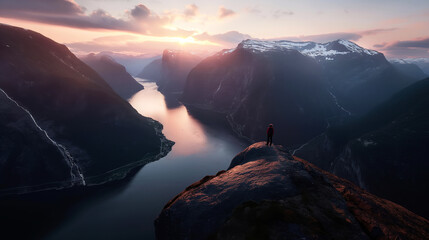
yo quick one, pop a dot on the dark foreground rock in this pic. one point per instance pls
(268, 194)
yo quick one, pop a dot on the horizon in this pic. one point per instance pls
(148, 27)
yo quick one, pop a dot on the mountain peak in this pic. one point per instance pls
(312, 49)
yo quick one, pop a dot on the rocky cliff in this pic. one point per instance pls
(268, 194)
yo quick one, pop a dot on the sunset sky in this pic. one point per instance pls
(395, 27)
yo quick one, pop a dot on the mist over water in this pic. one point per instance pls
(199, 150)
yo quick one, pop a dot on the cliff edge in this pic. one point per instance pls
(268, 194)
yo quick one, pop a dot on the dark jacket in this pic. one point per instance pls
(270, 131)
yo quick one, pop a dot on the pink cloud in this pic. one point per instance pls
(224, 12)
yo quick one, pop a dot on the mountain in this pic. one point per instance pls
(385, 151)
(114, 74)
(171, 72)
(133, 64)
(422, 63)
(28, 155)
(409, 69)
(152, 71)
(268, 194)
(99, 135)
(300, 87)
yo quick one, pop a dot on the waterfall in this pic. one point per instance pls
(75, 172)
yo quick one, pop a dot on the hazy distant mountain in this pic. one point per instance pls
(301, 87)
(171, 72)
(133, 64)
(385, 152)
(114, 74)
(413, 66)
(152, 71)
(268, 194)
(101, 136)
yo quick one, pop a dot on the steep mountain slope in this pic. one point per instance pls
(152, 71)
(301, 87)
(102, 133)
(133, 64)
(409, 69)
(28, 156)
(114, 74)
(422, 63)
(173, 69)
(268, 194)
(384, 151)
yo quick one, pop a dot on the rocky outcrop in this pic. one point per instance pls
(170, 72)
(384, 152)
(268, 194)
(114, 74)
(100, 134)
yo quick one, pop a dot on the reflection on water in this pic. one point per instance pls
(185, 131)
(199, 150)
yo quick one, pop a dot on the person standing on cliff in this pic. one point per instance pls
(270, 132)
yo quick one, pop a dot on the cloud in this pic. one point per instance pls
(419, 43)
(67, 13)
(324, 37)
(43, 6)
(282, 13)
(140, 12)
(224, 12)
(228, 38)
(404, 49)
(377, 31)
(190, 11)
(327, 37)
(136, 47)
(380, 45)
(253, 10)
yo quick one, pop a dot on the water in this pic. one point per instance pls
(200, 150)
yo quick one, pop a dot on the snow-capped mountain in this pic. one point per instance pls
(327, 51)
(300, 86)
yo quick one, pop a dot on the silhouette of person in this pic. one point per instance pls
(270, 132)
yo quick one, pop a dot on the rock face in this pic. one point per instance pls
(385, 152)
(28, 157)
(300, 87)
(114, 74)
(100, 135)
(171, 71)
(268, 194)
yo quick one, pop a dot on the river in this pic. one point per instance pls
(200, 149)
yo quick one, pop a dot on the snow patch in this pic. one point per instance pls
(312, 49)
